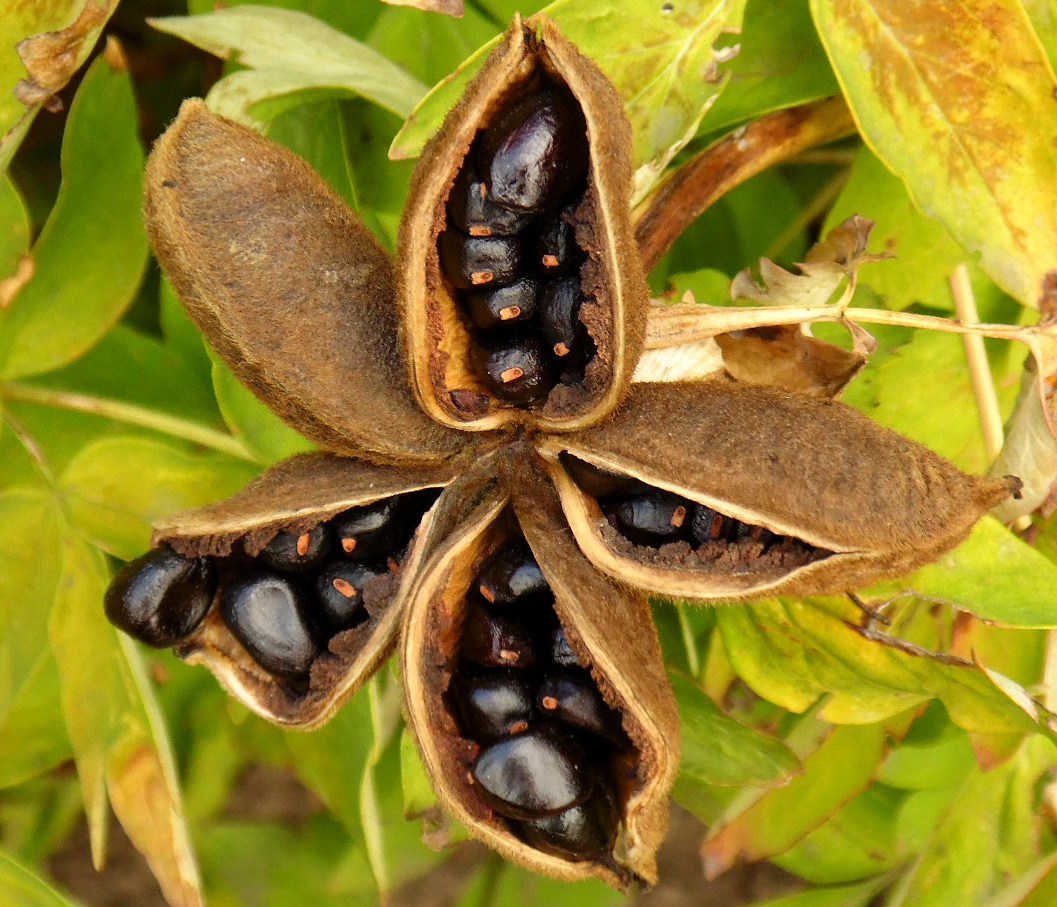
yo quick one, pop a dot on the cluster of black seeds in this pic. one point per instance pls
(653, 517)
(549, 746)
(510, 248)
(284, 603)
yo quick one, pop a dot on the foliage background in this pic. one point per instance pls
(870, 771)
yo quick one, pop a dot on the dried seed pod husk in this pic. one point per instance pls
(297, 495)
(610, 628)
(288, 286)
(863, 501)
(616, 297)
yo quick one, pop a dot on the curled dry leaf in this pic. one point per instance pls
(51, 58)
(500, 530)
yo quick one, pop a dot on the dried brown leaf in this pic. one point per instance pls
(51, 58)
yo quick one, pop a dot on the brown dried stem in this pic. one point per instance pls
(748, 150)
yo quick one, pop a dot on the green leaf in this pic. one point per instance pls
(94, 231)
(985, 837)
(664, 65)
(263, 433)
(992, 574)
(289, 51)
(719, 750)
(947, 131)
(32, 732)
(858, 895)
(925, 253)
(857, 842)
(21, 888)
(118, 737)
(430, 46)
(901, 394)
(1043, 15)
(30, 19)
(836, 772)
(781, 63)
(14, 230)
(115, 489)
(33, 735)
(794, 651)
(1036, 887)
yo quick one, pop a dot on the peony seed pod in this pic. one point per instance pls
(540, 133)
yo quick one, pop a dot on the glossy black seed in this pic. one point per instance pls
(653, 518)
(472, 210)
(514, 366)
(161, 597)
(535, 773)
(514, 303)
(535, 152)
(708, 525)
(511, 575)
(556, 248)
(378, 529)
(598, 482)
(559, 306)
(297, 551)
(561, 652)
(269, 615)
(339, 585)
(498, 640)
(584, 832)
(493, 704)
(571, 695)
(477, 261)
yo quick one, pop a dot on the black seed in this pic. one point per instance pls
(493, 704)
(561, 652)
(380, 528)
(556, 248)
(297, 551)
(161, 597)
(584, 832)
(653, 518)
(268, 614)
(339, 586)
(598, 482)
(560, 301)
(478, 261)
(472, 210)
(572, 696)
(514, 367)
(511, 575)
(515, 303)
(535, 773)
(492, 640)
(535, 152)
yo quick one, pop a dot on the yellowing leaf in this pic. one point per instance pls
(118, 737)
(958, 100)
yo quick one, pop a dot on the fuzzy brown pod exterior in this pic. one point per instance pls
(493, 495)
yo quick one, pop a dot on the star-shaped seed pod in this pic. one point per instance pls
(492, 489)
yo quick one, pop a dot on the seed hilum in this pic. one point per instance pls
(282, 604)
(510, 251)
(547, 739)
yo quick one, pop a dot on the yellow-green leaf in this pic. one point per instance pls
(90, 257)
(119, 740)
(958, 100)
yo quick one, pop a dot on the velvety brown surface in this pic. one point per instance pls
(288, 286)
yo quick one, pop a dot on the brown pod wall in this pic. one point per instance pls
(287, 285)
(299, 496)
(842, 500)
(606, 624)
(613, 311)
